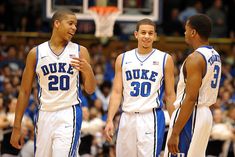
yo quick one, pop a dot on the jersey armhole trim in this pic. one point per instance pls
(164, 63)
(37, 57)
(78, 50)
(123, 55)
(205, 62)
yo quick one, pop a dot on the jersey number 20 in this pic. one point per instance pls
(58, 82)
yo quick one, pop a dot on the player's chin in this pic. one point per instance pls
(68, 38)
(145, 46)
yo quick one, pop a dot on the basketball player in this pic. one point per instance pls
(57, 64)
(197, 89)
(141, 77)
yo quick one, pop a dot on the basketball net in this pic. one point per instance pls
(104, 17)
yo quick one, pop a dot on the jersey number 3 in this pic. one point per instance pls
(214, 82)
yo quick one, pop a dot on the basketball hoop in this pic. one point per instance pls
(104, 17)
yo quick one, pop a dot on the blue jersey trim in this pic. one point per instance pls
(79, 91)
(123, 58)
(146, 57)
(163, 66)
(54, 52)
(206, 46)
(205, 61)
(39, 90)
(79, 49)
(37, 56)
(162, 89)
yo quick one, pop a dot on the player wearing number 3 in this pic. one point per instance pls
(197, 90)
(57, 65)
(142, 75)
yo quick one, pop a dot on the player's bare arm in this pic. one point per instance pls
(169, 85)
(194, 68)
(115, 98)
(83, 64)
(23, 98)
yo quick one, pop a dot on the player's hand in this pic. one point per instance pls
(17, 139)
(109, 131)
(173, 143)
(80, 64)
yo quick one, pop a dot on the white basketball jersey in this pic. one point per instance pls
(58, 82)
(143, 81)
(210, 83)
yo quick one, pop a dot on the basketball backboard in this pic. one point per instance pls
(131, 10)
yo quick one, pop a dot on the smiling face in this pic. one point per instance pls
(146, 36)
(66, 26)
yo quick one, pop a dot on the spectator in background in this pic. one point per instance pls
(173, 26)
(229, 145)
(92, 125)
(3, 17)
(27, 124)
(230, 17)
(218, 17)
(220, 133)
(191, 9)
(110, 66)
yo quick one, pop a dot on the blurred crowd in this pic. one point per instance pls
(26, 15)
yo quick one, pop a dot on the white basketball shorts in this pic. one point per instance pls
(194, 137)
(57, 133)
(140, 134)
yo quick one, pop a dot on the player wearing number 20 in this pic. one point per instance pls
(142, 75)
(197, 89)
(58, 64)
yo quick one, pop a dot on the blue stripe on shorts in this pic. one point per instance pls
(76, 132)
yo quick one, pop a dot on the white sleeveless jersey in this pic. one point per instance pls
(58, 82)
(210, 83)
(143, 81)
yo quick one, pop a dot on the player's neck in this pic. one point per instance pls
(57, 42)
(142, 50)
(199, 44)
(56, 45)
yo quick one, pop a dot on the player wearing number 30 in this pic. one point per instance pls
(142, 75)
(58, 65)
(197, 90)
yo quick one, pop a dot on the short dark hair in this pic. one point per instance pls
(60, 14)
(202, 24)
(145, 21)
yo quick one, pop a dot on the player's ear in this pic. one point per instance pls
(136, 34)
(194, 32)
(56, 23)
(155, 37)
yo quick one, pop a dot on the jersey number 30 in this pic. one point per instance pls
(58, 82)
(214, 82)
(142, 89)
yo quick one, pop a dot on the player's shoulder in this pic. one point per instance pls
(195, 59)
(129, 51)
(43, 44)
(161, 54)
(83, 48)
